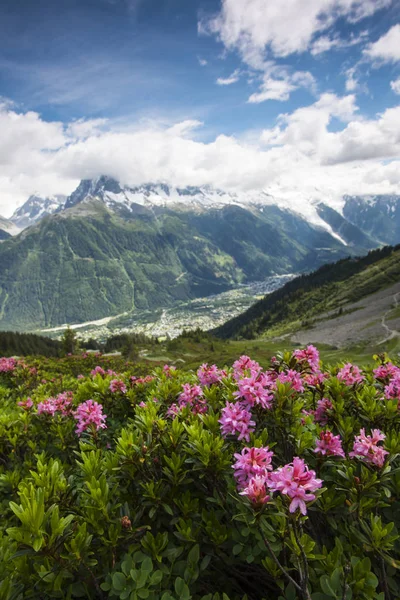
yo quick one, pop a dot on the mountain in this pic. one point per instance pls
(341, 303)
(35, 209)
(7, 229)
(378, 216)
(110, 250)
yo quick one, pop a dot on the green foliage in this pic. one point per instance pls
(148, 508)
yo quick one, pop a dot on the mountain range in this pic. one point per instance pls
(109, 249)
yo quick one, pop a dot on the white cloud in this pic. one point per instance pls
(264, 30)
(280, 89)
(395, 85)
(299, 158)
(325, 43)
(284, 26)
(387, 48)
(234, 78)
(202, 62)
(351, 80)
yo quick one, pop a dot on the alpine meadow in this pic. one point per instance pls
(200, 300)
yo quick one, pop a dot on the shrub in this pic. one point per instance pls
(246, 483)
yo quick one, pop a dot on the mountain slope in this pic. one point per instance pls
(378, 216)
(88, 262)
(308, 297)
(35, 209)
(7, 229)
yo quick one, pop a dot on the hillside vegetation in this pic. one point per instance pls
(329, 288)
(87, 263)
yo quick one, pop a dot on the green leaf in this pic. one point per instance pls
(119, 581)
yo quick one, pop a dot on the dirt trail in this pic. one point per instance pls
(390, 333)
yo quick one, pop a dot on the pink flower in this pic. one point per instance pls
(256, 389)
(236, 420)
(350, 374)
(309, 355)
(168, 370)
(244, 366)
(26, 404)
(386, 371)
(89, 413)
(256, 490)
(329, 444)
(251, 462)
(98, 371)
(366, 447)
(60, 404)
(192, 396)
(320, 415)
(139, 380)
(296, 481)
(117, 385)
(142, 404)
(173, 410)
(315, 379)
(209, 374)
(292, 377)
(392, 390)
(7, 365)
(81, 377)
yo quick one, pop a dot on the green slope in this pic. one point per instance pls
(330, 287)
(87, 263)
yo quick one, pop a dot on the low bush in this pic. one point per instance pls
(243, 483)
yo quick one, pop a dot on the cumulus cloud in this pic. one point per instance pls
(280, 89)
(284, 27)
(387, 48)
(262, 31)
(302, 157)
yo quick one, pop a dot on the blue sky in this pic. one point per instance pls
(235, 66)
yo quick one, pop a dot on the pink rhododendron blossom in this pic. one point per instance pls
(26, 404)
(296, 481)
(386, 371)
(320, 415)
(366, 447)
(256, 390)
(236, 420)
(245, 367)
(392, 390)
(168, 370)
(209, 374)
(60, 404)
(173, 410)
(251, 462)
(193, 397)
(315, 379)
(89, 414)
(292, 377)
(8, 365)
(350, 374)
(98, 371)
(139, 380)
(256, 490)
(329, 444)
(117, 385)
(309, 355)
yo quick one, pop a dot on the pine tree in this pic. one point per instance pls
(69, 341)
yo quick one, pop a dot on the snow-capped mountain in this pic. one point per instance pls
(125, 199)
(378, 216)
(36, 208)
